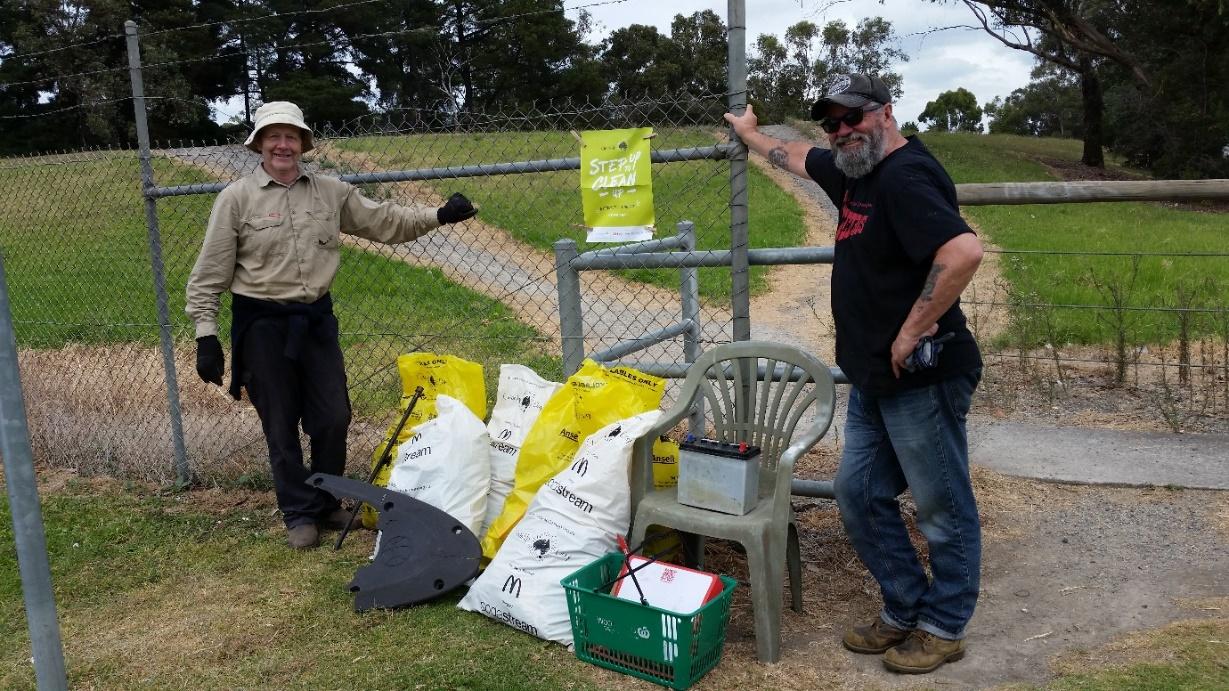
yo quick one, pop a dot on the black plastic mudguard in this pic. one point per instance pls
(424, 552)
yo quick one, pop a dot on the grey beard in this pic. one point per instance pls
(861, 161)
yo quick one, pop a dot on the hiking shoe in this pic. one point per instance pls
(337, 519)
(873, 638)
(922, 652)
(303, 536)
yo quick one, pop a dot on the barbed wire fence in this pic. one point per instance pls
(100, 242)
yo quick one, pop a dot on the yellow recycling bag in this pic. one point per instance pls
(665, 463)
(436, 374)
(590, 399)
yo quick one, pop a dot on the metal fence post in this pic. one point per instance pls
(155, 253)
(571, 321)
(28, 533)
(689, 293)
(740, 277)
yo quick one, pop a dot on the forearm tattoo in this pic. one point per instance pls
(928, 289)
(778, 157)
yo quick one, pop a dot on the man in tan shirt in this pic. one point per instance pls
(273, 241)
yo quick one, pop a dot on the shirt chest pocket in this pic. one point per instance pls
(323, 229)
(262, 236)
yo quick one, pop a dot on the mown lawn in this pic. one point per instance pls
(1098, 228)
(78, 267)
(154, 591)
(541, 208)
(174, 590)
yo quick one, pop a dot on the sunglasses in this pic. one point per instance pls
(851, 117)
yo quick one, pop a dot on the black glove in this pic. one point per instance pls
(926, 353)
(457, 208)
(209, 361)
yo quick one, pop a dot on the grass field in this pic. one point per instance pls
(152, 593)
(162, 591)
(1106, 228)
(544, 207)
(80, 230)
(78, 268)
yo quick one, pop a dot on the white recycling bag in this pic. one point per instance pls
(573, 520)
(518, 402)
(446, 463)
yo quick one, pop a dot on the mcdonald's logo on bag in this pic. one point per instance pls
(512, 586)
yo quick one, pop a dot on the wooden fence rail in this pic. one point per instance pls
(982, 194)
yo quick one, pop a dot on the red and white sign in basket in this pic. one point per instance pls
(673, 588)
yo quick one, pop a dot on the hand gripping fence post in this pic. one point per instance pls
(28, 533)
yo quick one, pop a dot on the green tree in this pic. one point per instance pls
(1163, 63)
(399, 47)
(64, 78)
(302, 55)
(517, 53)
(700, 45)
(953, 111)
(1049, 106)
(776, 85)
(638, 61)
(869, 48)
(785, 77)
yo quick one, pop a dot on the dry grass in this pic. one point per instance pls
(1075, 386)
(1153, 647)
(188, 624)
(107, 415)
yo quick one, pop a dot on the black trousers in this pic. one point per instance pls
(311, 391)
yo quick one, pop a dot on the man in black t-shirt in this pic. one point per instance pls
(903, 256)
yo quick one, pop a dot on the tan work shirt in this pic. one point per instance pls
(281, 242)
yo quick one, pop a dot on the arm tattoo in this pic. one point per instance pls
(928, 289)
(778, 157)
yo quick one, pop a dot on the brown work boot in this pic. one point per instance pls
(873, 638)
(338, 518)
(303, 536)
(922, 652)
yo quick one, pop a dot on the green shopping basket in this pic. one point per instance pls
(656, 645)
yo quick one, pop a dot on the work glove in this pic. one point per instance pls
(926, 353)
(457, 208)
(209, 361)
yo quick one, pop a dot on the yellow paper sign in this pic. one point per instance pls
(616, 184)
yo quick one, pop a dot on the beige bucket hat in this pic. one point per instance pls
(279, 113)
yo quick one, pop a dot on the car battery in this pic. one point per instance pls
(719, 476)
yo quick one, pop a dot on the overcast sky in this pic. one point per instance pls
(938, 61)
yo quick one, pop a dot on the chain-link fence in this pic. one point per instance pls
(100, 244)
(86, 313)
(86, 310)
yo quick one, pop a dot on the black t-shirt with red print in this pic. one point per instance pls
(891, 222)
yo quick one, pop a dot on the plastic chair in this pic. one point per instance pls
(758, 392)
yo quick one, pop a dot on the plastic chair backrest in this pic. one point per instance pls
(758, 392)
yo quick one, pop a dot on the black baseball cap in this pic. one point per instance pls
(851, 91)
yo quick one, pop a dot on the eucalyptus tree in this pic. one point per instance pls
(785, 76)
(953, 111)
(64, 71)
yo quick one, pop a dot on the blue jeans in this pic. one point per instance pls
(914, 439)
